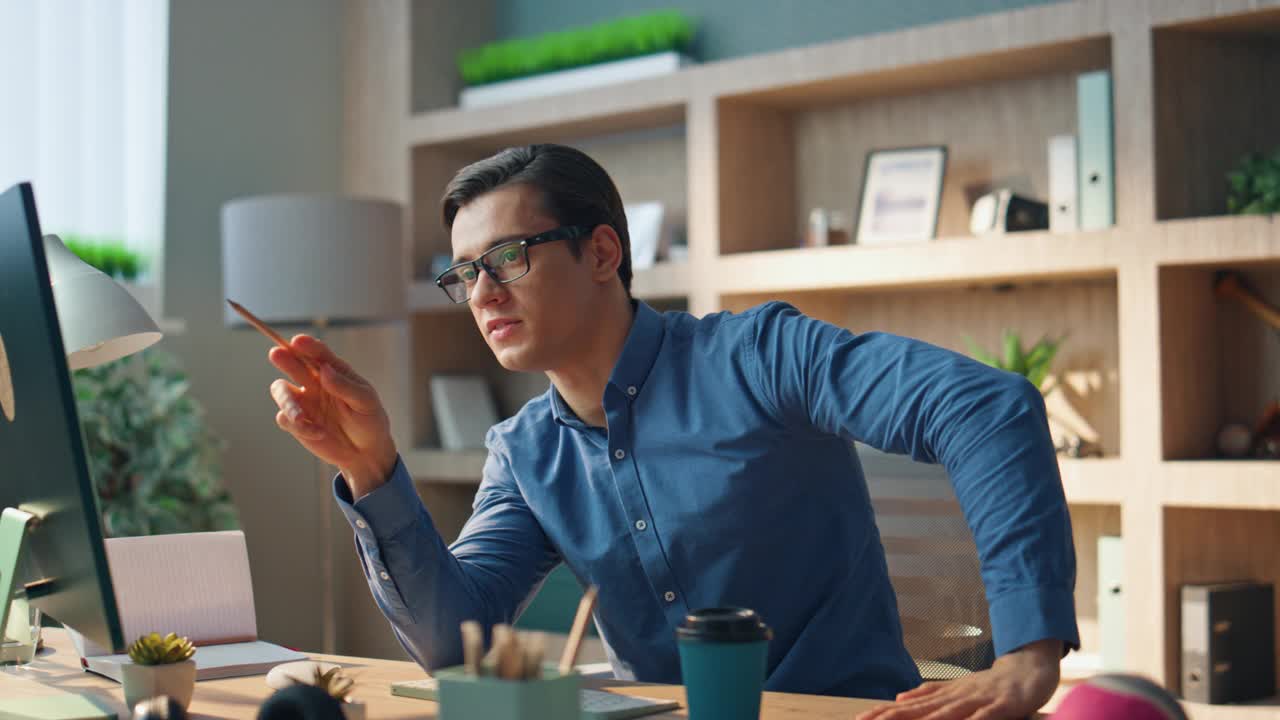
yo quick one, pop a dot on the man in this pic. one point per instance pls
(678, 463)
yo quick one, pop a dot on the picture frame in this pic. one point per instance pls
(901, 195)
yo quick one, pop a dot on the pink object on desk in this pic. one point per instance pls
(1119, 697)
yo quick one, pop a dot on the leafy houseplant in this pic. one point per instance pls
(161, 666)
(1254, 186)
(109, 256)
(614, 40)
(1032, 363)
(154, 463)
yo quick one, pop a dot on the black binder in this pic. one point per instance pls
(1228, 642)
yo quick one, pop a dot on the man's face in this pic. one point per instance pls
(530, 324)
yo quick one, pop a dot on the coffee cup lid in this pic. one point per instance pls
(724, 624)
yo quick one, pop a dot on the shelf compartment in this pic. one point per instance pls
(1214, 98)
(1089, 522)
(637, 105)
(1094, 481)
(809, 144)
(1210, 240)
(1222, 484)
(949, 262)
(1218, 361)
(663, 281)
(450, 343)
(1211, 545)
(1083, 308)
(646, 165)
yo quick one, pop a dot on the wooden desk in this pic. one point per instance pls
(57, 670)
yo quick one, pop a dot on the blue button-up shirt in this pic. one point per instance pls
(726, 476)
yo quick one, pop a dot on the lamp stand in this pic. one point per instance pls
(328, 604)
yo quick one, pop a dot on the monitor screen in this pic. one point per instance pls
(43, 469)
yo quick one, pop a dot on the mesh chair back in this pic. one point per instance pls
(933, 565)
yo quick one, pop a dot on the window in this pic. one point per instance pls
(83, 86)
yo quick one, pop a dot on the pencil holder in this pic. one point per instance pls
(469, 697)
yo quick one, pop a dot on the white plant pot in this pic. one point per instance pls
(177, 680)
(353, 711)
(560, 81)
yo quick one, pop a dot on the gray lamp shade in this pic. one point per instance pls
(313, 259)
(100, 320)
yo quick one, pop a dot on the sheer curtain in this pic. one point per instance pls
(82, 115)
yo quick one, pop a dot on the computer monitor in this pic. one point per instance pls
(50, 511)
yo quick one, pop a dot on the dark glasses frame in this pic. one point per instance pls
(564, 232)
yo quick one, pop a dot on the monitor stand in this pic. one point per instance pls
(18, 637)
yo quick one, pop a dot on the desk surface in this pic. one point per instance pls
(57, 670)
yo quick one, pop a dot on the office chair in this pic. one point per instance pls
(933, 565)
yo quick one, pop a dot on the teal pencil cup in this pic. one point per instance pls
(468, 697)
(724, 654)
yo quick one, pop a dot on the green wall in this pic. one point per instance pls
(732, 28)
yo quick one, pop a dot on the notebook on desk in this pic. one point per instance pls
(595, 704)
(194, 584)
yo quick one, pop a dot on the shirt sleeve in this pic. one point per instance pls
(987, 427)
(425, 588)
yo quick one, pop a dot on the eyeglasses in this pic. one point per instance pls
(504, 263)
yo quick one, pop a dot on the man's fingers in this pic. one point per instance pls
(926, 689)
(908, 708)
(352, 389)
(288, 363)
(958, 710)
(301, 430)
(317, 351)
(288, 399)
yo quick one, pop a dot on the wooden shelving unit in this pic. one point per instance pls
(743, 148)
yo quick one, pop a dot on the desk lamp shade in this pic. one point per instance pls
(317, 260)
(100, 320)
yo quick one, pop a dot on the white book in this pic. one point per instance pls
(1064, 212)
(464, 410)
(193, 584)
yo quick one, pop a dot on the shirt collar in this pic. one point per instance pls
(632, 368)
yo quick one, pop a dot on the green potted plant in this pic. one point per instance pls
(154, 462)
(1033, 363)
(623, 49)
(1254, 186)
(160, 666)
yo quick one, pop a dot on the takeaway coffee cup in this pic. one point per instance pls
(723, 655)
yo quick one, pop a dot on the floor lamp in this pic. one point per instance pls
(315, 262)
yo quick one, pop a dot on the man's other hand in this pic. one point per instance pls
(1017, 685)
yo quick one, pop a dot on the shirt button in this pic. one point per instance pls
(385, 576)
(360, 524)
(619, 453)
(670, 596)
(631, 390)
(641, 525)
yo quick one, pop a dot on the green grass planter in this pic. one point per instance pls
(633, 37)
(111, 257)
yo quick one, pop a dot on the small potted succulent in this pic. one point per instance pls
(161, 666)
(338, 686)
